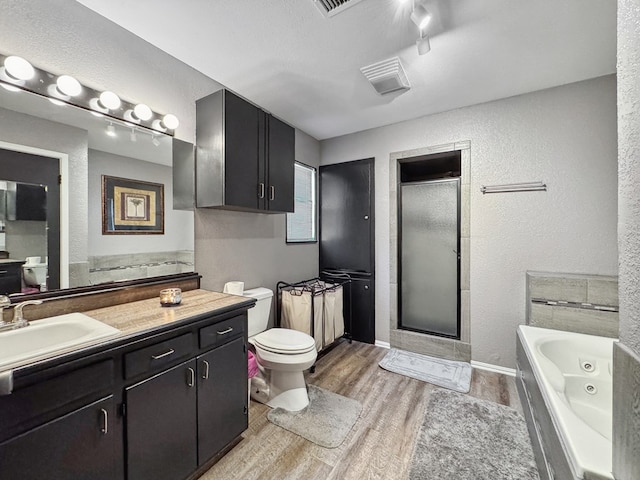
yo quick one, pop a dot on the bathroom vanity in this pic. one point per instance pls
(164, 399)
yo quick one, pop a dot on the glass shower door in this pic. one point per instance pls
(429, 257)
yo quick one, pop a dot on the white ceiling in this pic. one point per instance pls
(288, 58)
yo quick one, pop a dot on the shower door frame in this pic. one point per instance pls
(458, 181)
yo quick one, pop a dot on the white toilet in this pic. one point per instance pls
(34, 272)
(282, 355)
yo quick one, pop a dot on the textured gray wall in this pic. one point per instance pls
(565, 136)
(629, 170)
(626, 374)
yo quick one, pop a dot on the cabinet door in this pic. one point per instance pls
(161, 425)
(222, 397)
(242, 153)
(80, 445)
(362, 311)
(281, 159)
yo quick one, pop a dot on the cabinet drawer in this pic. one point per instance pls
(222, 332)
(153, 358)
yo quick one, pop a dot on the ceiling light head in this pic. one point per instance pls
(111, 130)
(69, 86)
(110, 100)
(18, 68)
(423, 44)
(142, 112)
(170, 121)
(420, 16)
(155, 140)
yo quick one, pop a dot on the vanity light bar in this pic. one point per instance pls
(17, 74)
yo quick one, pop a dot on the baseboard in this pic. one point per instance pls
(494, 368)
(380, 343)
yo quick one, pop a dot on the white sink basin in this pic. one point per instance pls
(49, 337)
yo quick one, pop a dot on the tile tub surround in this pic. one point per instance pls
(576, 289)
(626, 413)
(110, 268)
(420, 342)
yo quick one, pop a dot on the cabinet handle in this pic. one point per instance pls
(205, 375)
(261, 190)
(171, 351)
(3, 271)
(105, 422)
(272, 194)
(224, 332)
(191, 380)
(366, 287)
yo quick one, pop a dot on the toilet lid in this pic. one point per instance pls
(284, 340)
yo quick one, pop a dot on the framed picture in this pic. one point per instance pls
(132, 207)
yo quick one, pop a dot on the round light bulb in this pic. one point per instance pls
(18, 68)
(110, 100)
(170, 121)
(67, 85)
(143, 112)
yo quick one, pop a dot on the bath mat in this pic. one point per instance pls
(326, 421)
(441, 372)
(465, 438)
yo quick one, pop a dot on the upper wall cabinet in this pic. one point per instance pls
(244, 158)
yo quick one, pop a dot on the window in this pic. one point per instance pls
(301, 224)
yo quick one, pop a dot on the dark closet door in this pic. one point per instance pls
(347, 239)
(281, 148)
(36, 169)
(242, 152)
(346, 216)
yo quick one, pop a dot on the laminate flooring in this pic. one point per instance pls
(380, 444)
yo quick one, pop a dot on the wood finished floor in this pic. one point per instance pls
(378, 447)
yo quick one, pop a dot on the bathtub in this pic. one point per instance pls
(567, 385)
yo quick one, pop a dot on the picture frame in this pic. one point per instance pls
(132, 207)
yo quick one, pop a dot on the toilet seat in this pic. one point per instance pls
(285, 341)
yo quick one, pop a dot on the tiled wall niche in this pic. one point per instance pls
(420, 342)
(573, 302)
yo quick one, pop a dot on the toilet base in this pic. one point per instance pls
(280, 389)
(292, 400)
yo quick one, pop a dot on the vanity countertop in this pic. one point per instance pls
(136, 317)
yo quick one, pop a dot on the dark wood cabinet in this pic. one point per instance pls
(244, 156)
(10, 276)
(161, 425)
(222, 397)
(362, 310)
(82, 445)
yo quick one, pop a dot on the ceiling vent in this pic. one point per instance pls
(329, 8)
(387, 76)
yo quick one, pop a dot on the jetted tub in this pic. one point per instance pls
(567, 384)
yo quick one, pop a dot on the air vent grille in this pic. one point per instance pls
(387, 76)
(329, 8)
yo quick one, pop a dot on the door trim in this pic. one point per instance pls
(418, 342)
(63, 160)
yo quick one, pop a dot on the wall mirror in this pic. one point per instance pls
(37, 136)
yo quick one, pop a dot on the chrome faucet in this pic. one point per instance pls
(5, 302)
(18, 320)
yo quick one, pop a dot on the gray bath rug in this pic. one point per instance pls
(326, 421)
(441, 372)
(465, 438)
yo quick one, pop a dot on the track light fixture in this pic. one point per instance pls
(423, 44)
(17, 74)
(111, 130)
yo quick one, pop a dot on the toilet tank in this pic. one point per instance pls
(258, 316)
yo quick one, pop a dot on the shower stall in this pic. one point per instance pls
(429, 245)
